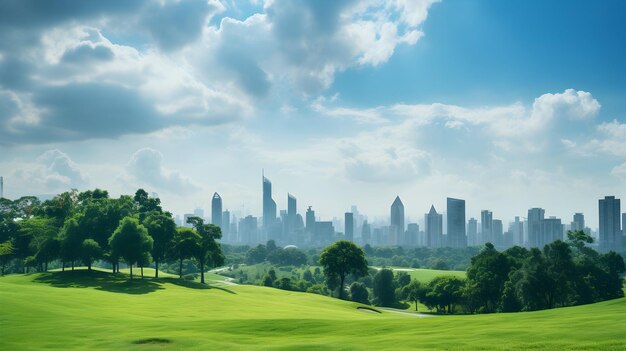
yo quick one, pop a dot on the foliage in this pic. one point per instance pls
(340, 259)
(384, 288)
(131, 242)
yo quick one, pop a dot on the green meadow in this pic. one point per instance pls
(98, 310)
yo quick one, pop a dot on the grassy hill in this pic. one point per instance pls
(97, 310)
(426, 275)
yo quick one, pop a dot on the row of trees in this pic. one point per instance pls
(90, 226)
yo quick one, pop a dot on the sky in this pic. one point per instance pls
(506, 104)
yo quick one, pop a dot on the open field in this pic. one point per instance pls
(98, 310)
(426, 275)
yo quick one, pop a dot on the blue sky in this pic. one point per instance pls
(508, 104)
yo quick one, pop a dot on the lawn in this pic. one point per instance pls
(98, 310)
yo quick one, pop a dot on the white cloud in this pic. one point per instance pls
(619, 171)
(146, 167)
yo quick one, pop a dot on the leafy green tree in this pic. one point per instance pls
(6, 255)
(444, 292)
(161, 228)
(185, 244)
(71, 242)
(384, 288)
(256, 254)
(209, 250)
(130, 241)
(90, 252)
(284, 284)
(414, 292)
(359, 293)
(486, 275)
(341, 259)
(269, 278)
(49, 251)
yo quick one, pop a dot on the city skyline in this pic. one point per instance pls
(340, 103)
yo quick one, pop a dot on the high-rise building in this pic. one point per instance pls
(366, 233)
(486, 227)
(517, 230)
(198, 212)
(349, 226)
(578, 222)
(216, 210)
(225, 225)
(291, 220)
(609, 225)
(497, 232)
(1, 187)
(310, 220)
(551, 230)
(397, 221)
(412, 234)
(269, 205)
(533, 222)
(472, 232)
(456, 222)
(248, 230)
(434, 228)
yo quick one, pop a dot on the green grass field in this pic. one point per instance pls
(426, 275)
(98, 310)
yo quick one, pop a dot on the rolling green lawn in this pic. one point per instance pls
(98, 310)
(426, 275)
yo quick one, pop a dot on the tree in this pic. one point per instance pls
(48, 251)
(384, 288)
(414, 291)
(486, 275)
(90, 251)
(256, 254)
(185, 244)
(71, 242)
(161, 228)
(340, 259)
(209, 250)
(6, 255)
(130, 241)
(444, 292)
(358, 293)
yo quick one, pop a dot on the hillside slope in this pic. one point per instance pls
(82, 310)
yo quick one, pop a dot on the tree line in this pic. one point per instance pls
(88, 227)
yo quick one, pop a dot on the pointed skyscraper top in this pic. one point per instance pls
(432, 210)
(216, 196)
(397, 201)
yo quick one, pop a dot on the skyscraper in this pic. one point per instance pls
(397, 219)
(578, 222)
(456, 222)
(535, 216)
(310, 220)
(609, 229)
(216, 210)
(472, 232)
(349, 226)
(434, 228)
(226, 226)
(551, 230)
(292, 217)
(269, 205)
(1, 187)
(517, 229)
(497, 232)
(486, 227)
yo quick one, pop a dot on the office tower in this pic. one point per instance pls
(310, 220)
(578, 223)
(434, 228)
(292, 209)
(324, 232)
(349, 226)
(397, 222)
(226, 226)
(412, 234)
(269, 205)
(366, 233)
(1, 187)
(486, 229)
(216, 210)
(456, 222)
(497, 232)
(609, 224)
(535, 216)
(472, 232)
(551, 230)
(517, 230)
(248, 228)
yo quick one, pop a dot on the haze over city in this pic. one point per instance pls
(506, 105)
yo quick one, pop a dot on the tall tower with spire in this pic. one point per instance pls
(216, 210)
(269, 205)
(397, 215)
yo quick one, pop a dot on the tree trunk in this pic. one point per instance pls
(415, 306)
(89, 266)
(72, 265)
(63, 266)
(202, 271)
(141, 271)
(156, 270)
(131, 271)
(180, 268)
(341, 287)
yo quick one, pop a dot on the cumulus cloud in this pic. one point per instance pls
(146, 166)
(610, 140)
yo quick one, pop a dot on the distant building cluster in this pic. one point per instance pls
(446, 229)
